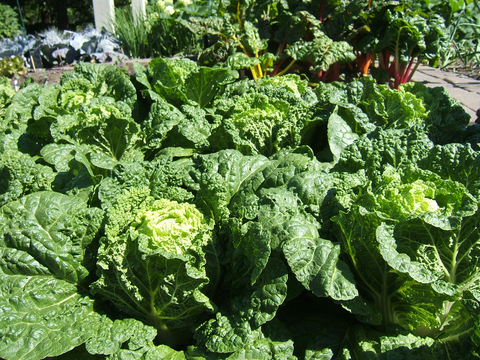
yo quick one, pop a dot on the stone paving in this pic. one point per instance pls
(462, 88)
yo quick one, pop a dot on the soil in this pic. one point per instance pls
(468, 70)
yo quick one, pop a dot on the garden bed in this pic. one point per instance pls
(238, 197)
(52, 75)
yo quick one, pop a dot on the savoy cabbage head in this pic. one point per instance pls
(152, 263)
(412, 242)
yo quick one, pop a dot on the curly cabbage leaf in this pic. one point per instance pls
(21, 175)
(263, 118)
(236, 326)
(182, 81)
(371, 153)
(446, 120)
(97, 139)
(6, 94)
(98, 81)
(162, 178)
(365, 105)
(187, 127)
(266, 215)
(457, 162)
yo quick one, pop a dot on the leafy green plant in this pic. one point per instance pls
(466, 35)
(9, 23)
(183, 212)
(461, 19)
(161, 33)
(389, 37)
(326, 41)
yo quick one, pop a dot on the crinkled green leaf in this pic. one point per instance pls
(446, 118)
(340, 134)
(48, 231)
(316, 263)
(63, 156)
(371, 154)
(446, 254)
(414, 228)
(275, 344)
(411, 192)
(205, 84)
(105, 130)
(322, 52)
(238, 323)
(21, 175)
(183, 81)
(163, 117)
(6, 94)
(396, 296)
(220, 175)
(42, 316)
(44, 260)
(251, 39)
(240, 60)
(365, 104)
(104, 80)
(457, 162)
(263, 117)
(109, 336)
(49, 106)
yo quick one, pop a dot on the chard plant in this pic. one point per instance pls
(326, 41)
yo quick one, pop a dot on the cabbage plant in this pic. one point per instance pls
(154, 268)
(412, 241)
(179, 213)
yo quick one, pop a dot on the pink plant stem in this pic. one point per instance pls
(414, 69)
(275, 70)
(281, 48)
(406, 76)
(335, 72)
(321, 12)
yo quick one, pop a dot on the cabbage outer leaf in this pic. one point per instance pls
(43, 263)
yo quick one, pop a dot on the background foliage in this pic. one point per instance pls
(444, 33)
(9, 23)
(63, 14)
